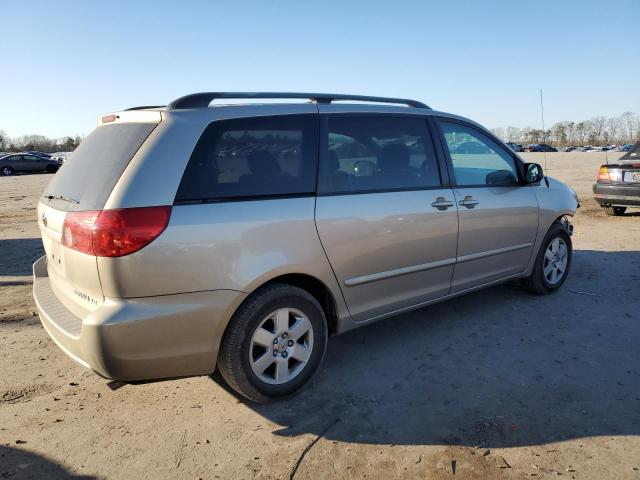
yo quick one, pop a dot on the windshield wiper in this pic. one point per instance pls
(61, 197)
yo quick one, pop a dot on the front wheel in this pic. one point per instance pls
(552, 263)
(614, 211)
(274, 343)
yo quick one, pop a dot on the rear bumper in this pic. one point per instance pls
(139, 338)
(617, 194)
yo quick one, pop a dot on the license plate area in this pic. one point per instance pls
(55, 257)
(631, 177)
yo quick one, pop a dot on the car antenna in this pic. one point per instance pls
(545, 150)
(542, 117)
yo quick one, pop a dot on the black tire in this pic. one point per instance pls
(614, 211)
(234, 355)
(6, 171)
(52, 169)
(537, 282)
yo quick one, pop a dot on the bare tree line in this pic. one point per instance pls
(38, 142)
(597, 131)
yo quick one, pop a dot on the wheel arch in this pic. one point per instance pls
(312, 285)
(543, 228)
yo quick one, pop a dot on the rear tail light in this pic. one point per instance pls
(114, 233)
(603, 174)
(77, 231)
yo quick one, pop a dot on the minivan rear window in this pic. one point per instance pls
(88, 176)
(253, 157)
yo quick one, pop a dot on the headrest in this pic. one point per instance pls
(262, 162)
(394, 157)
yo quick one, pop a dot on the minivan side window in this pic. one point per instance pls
(366, 153)
(477, 159)
(253, 157)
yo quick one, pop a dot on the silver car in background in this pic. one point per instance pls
(191, 236)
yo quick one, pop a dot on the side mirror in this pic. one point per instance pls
(533, 173)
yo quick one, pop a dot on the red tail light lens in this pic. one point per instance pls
(77, 231)
(109, 118)
(114, 233)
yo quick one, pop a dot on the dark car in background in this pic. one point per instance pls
(39, 154)
(541, 147)
(24, 162)
(516, 147)
(618, 184)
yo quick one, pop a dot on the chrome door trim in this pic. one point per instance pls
(489, 253)
(374, 277)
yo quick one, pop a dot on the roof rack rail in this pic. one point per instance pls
(202, 100)
(144, 107)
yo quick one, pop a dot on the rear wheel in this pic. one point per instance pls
(614, 211)
(6, 171)
(552, 263)
(274, 343)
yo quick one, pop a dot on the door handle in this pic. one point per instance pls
(442, 203)
(468, 202)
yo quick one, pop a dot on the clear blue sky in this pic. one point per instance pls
(65, 63)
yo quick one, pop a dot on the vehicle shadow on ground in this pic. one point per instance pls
(496, 368)
(20, 464)
(18, 254)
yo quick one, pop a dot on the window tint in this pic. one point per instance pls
(374, 153)
(97, 165)
(253, 157)
(30, 158)
(477, 160)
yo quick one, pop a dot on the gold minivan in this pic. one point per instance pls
(194, 235)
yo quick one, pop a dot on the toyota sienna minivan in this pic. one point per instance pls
(196, 236)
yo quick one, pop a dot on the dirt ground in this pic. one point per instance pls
(497, 384)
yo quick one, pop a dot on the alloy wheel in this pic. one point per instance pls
(281, 346)
(556, 258)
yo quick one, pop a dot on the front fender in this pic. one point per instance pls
(555, 200)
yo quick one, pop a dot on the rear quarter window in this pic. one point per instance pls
(253, 157)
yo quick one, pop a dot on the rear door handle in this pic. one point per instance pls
(442, 203)
(468, 202)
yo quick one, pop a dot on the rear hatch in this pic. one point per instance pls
(83, 184)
